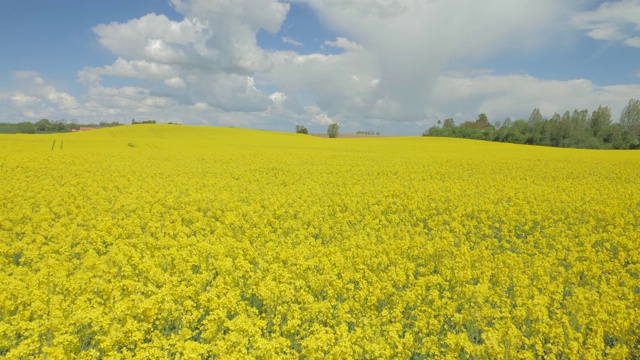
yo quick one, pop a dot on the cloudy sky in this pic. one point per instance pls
(394, 65)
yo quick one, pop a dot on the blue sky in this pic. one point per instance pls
(273, 64)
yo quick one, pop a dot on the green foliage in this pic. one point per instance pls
(46, 126)
(449, 123)
(110, 124)
(482, 121)
(600, 121)
(134, 122)
(535, 118)
(577, 129)
(630, 123)
(333, 129)
(367, 132)
(301, 129)
(43, 125)
(26, 127)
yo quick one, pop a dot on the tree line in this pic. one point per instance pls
(48, 126)
(577, 129)
(44, 126)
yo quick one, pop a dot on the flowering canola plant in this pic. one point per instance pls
(165, 241)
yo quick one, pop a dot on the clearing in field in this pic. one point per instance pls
(155, 241)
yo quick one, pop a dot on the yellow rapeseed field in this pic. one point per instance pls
(166, 241)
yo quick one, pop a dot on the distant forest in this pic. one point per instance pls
(46, 126)
(577, 129)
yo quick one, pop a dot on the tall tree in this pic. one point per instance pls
(482, 121)
(43, 125)
(600, 120)
(448, 123)
(535, 118)
(554, 127)
(579, 120)
(536, 123)
(630, 122)
(564, 128)
(332, 130)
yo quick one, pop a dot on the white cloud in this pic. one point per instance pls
(137, 38)
(344, 43)
(318, 116)
(613, 21)
(408, 43)
(606, 33)
(19, 99)
(288, 40)
(210, 56)
(228, 92)
(139, 69)
(633, 42)
(256, 14)
(343, 83)
(176, 82)
(500, 96)
(285, 107)
(34, 99)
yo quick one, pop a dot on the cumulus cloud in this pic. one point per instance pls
(341, 83)
(500, 96)
(210, 55)
(20, 100)
(151, 37)
(613, 21)
(411, 42)
(35, 98)
(318, 116)
(139, 69)
(393, 51)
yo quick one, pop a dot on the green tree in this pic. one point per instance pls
(26, 127)
(535, 118)
(535, 122)
(301, 129)
(449, 123)
(501, 134)
(333, 129)
(553, 127)
(564, 127)
(630, 123)
(579, 122)
(43, 125)
(482, 121)
(600, 121)
(72, 125)
(613, 135)
(518, 132)
(60, 125)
